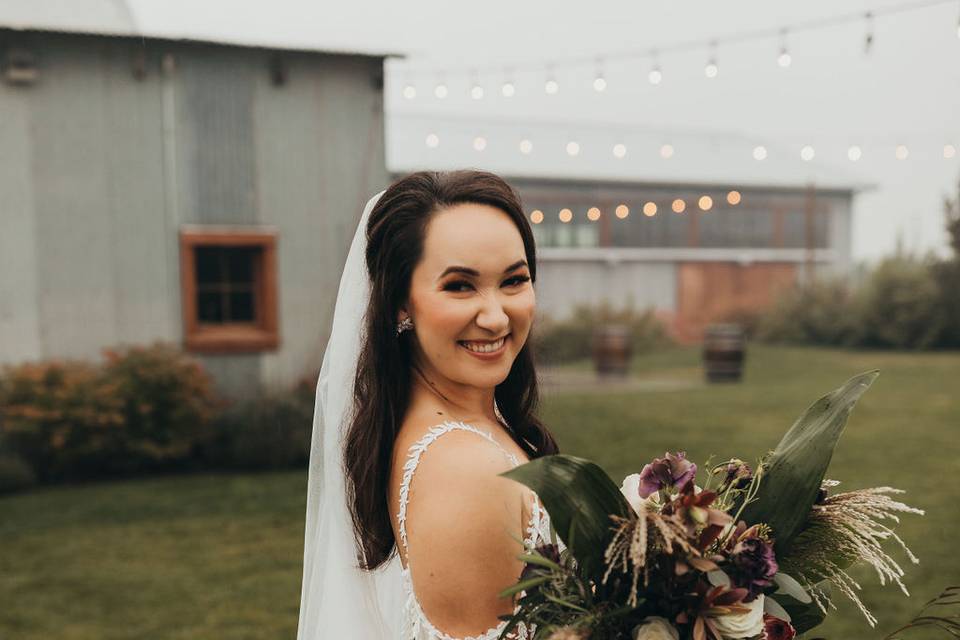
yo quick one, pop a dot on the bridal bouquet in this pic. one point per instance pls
(756, 552)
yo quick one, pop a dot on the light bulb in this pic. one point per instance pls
(479, 143)
(807, 153)
(711, 70)
(409, 92)
(760, 153)
(551, 87)
(433, 141)
(508, 89)
(949, 151)
(666, 151)
(854, 153)
(619, 150)
(784, 59)
(902, 152)
(599, 84)
(440, 91)
(526, 147)
(655, 76)
(476, 92)
(573, 148)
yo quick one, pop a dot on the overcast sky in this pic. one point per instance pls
(906, 91)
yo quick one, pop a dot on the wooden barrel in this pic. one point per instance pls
(723, 352)
(612, 349)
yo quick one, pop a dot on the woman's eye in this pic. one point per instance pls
(455, 286)
(518, 280)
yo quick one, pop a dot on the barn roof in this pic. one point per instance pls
(119, 18)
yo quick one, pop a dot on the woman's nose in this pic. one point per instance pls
(492, 316)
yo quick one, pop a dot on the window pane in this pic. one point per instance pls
(240, 264)
(208, 265)
(210, 306)
(241, 306)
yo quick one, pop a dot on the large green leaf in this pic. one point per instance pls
(797, 466)
(580, 498)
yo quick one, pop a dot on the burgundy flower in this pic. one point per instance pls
(752, 564)
(777, 629)
(738, 473)
(673, 470)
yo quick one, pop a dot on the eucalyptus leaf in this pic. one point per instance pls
(580, 498)
(797, 466)
(791, 587)
(718, 578)
(773, 608)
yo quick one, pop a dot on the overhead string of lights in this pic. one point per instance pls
(655, 76)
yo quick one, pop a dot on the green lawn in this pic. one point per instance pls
(218, 556)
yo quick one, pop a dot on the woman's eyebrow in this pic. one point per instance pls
(473, 272)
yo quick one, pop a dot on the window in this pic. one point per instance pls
(229, 290)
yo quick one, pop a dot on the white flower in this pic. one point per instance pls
(631, 491)
(655, 628)
(742, 625)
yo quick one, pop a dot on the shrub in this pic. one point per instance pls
(570, 339)
(823, 312)
(901, 305)
(268, 432)
(58, 418)
(146, 408)
(166, 403)
(15, 473)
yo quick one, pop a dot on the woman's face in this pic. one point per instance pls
(470, 291)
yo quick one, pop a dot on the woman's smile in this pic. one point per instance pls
(485, 349)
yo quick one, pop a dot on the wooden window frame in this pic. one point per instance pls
(260, 335)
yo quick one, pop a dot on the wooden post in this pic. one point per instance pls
(810, 208)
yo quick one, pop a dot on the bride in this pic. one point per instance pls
(427, 392)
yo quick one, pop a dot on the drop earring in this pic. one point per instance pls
(403, 325)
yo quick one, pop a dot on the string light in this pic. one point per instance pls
(712, 69)
(409, 91)
(440, 91)
(650, 209)
(476, 92)
(705, 203)
(479, 143)
(619, 150)
(622, 211)
(536, 217)
(760, 152)
(599, 82)
(573, 148)
(807, 153)
(784, 59)
(854, 153)
(733, 198)
(949, 151)
(526, 147)
(655, 76)
(593, 214)
(566, 215)
(679, 206)
(507, 89)
(433, 141)
(666, 151)
(902, 152)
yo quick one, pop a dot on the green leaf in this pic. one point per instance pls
(796, 468)
(805, 616)
(787, 585)
(580, 498)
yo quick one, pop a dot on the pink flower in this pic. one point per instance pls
(777, 629)
(671, 471)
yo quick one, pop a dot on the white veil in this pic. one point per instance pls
(338, 599)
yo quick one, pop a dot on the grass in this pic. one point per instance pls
(219, 556)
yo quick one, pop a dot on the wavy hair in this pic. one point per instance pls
(381, 393)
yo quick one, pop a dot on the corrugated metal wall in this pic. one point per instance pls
(100, 168)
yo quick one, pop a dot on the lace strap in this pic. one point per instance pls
(413, 459)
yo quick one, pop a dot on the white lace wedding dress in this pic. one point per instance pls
(415, 625)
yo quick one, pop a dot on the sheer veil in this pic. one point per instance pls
(338, 599)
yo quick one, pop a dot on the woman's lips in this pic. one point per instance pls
(489, 355)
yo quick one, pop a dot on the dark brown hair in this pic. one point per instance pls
(381, 393)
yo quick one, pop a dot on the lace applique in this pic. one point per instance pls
(415, 625)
